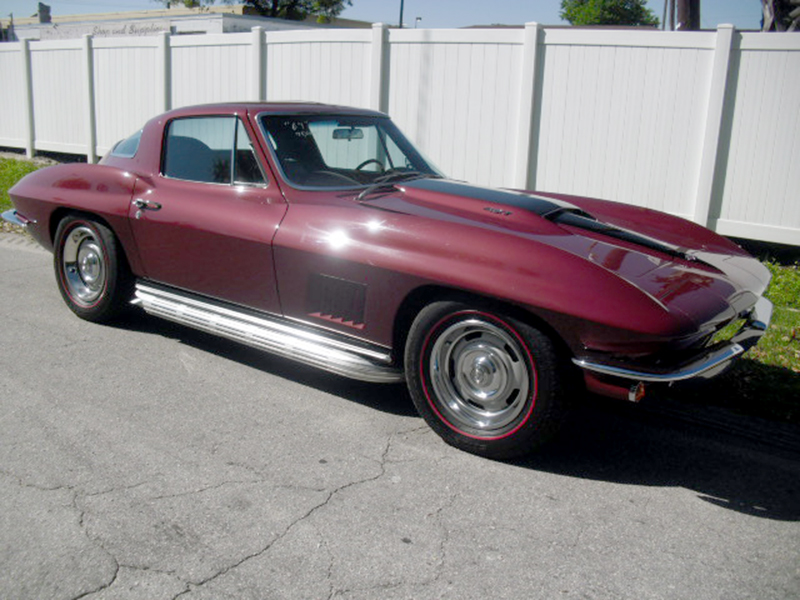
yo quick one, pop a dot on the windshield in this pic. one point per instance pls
(324, 151)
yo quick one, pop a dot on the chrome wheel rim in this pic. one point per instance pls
(83, 266)
(480, 378)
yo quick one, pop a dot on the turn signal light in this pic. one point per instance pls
(636, 393)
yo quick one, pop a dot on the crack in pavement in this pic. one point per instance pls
(293, 524)
(33, 486)
(437, 516)
(442, 559)
(97, 543)
(113, 490)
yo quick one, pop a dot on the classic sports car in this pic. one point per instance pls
(321, 234)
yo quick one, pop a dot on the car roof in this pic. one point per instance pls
(306, 108)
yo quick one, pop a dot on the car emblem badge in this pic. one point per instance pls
(497, 211)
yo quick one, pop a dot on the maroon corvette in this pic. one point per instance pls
(321, 234)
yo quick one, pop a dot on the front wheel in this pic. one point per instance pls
(91, 271)
(486, 383)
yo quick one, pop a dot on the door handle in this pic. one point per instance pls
(143, 204)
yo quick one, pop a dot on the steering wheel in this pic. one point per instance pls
(336, 175)
(369, 161)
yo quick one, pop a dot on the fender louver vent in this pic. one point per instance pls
(337, 300)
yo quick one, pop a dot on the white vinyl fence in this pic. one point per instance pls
(705, 125)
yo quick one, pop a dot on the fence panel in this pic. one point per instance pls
(705, 125)
(59, 108)
(457, 95)
(760, 190)
(12, 99)
(330, 66)
(125, 76)
(210, 68)
(622, 116)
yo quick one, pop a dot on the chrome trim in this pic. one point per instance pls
(283, 339)
(695, 369)
(12, 216)
(758, 321)
(706, 365)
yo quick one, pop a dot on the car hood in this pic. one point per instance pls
(681, 266)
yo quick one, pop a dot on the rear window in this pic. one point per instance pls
(127, 148)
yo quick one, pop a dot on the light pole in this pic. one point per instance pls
(401, 14)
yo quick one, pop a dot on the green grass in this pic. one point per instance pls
(784, 290)
(11, 171)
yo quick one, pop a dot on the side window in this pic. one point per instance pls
(127, 148)
(247, 169)
(210, 150)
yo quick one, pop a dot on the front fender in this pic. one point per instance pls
(390, 255)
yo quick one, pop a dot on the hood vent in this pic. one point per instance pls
(582, 220)
(555, 211)
(507, 198)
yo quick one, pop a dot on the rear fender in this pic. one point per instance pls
(47, 195)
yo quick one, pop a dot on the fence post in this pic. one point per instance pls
(378, 83)
(258, 64)
(714, 116)
(27, 75)
(524, 170)
(91, 125)
(165, 76)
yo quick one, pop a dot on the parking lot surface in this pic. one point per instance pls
(147, 461)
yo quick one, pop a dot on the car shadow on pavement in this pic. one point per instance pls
(389, 398)
(603, 440)
(622, 443)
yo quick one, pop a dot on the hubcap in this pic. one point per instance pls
(479, 377)
(83, 266)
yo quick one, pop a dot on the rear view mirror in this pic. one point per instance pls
(348, 133)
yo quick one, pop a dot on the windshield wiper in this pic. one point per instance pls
(389, 181)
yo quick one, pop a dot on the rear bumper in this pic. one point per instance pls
(12, 216)
(708, 363)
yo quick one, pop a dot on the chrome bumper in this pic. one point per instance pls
(706, 364)
(12, 216)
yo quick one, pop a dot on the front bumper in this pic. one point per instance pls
(709, 362)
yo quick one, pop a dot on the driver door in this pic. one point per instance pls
(206, 223)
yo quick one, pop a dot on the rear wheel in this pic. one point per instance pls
(486, 383)
(91, 271)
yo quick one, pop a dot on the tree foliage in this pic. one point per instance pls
(297, 10)
(781, 15)
(607, 12)
(294, 10)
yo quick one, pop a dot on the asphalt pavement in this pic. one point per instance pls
(147, 461)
